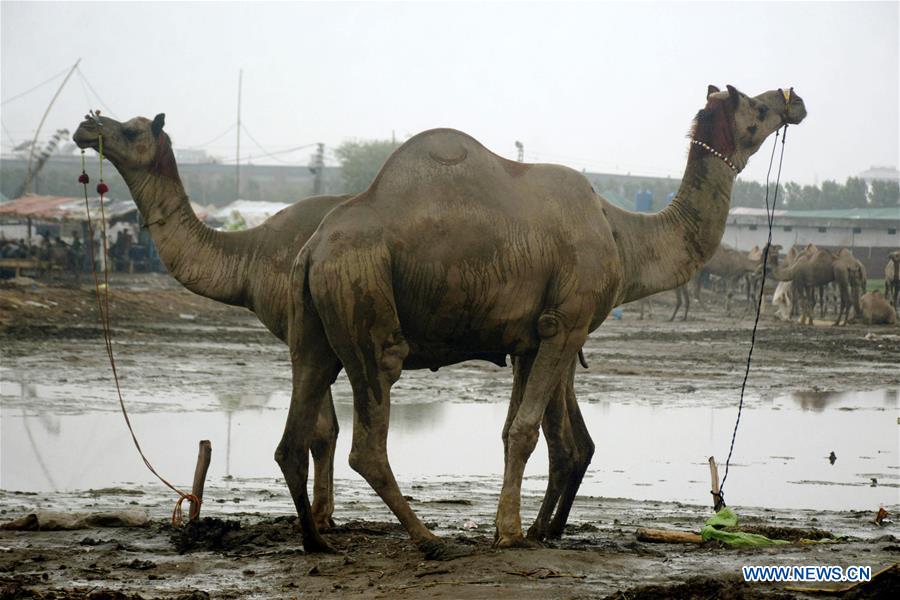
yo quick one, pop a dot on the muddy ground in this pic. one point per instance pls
(249, 547)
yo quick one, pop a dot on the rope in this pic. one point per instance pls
(103, 307)
(770, 217)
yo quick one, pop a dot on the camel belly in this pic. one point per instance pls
(464, 310)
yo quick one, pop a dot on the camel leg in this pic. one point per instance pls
(583, 450)
(323, 445)
(687, 303)
(555, 354)
(678, 293)
(844, 309)
(368, 455)
(314, 370)
(560, 448)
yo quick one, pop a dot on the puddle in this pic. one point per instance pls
(644, 452)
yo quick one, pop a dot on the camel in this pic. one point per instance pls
(876, 310)
(810, 270)
(814, 268)
(249, 268)
(850, 277)
(892, 278)
(455, 253)
(731, 265)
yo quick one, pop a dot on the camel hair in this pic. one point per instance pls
(454, 252)
(248, 268)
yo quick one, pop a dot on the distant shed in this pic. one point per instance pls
(870, 232)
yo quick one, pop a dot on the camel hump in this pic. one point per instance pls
(439, 152)
(443, 146)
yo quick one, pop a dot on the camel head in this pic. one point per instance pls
(735, 125)
(135, 146)
(894, 256)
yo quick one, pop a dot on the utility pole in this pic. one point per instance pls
(27, 185)
(318, 169)
(237, 186)
(520, 147)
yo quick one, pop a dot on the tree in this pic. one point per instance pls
(833, 195)
(857, 193)
(885, 194)
(361, 161)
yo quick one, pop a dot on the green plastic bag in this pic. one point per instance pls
(713, 530)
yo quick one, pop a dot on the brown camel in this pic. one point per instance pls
(876, 310)
(731, 265)
(812, 269)
(850, 277)
(248, 268)
(454, 253)
(892, 278)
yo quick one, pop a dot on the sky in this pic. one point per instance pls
(602, 86)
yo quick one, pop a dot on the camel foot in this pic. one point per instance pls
(317, 545)
(438, 549)
(325, 523)
(515, 541)
(544, 532)
(537, 532)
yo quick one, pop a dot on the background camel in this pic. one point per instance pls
(243, 268)
(850, 278)
(810, 270)
(892, 278)
(732, 266)
(876, 310)
(454, 252)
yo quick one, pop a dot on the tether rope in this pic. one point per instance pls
(103, 307)
(770, 217)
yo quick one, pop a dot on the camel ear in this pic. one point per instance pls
(157, 126)
(711, 90)
(733, 95)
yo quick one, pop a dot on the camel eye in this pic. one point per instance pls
(130, 134)
(763, 111)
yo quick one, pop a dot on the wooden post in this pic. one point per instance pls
(718, 502)
(668, 536)
(203, 459)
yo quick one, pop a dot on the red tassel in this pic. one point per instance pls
(83, 178)
(102, 188)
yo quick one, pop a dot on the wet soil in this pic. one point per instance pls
(247, 545)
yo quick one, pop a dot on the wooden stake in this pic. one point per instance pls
(718, 503)
(203, 459)
(668, 536)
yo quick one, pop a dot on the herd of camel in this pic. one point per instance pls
(452, 254)
(806, 276)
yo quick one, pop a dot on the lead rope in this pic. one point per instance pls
(719, 498)
(103, 307)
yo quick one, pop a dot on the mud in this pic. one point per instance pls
(247, 545)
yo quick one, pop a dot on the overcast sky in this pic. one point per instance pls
(602, 86)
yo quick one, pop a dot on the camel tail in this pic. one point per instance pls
(300, 303)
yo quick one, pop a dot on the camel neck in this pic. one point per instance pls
(662, 251)
(207, 262)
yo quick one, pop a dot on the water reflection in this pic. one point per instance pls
(780, 456)
(818, 400)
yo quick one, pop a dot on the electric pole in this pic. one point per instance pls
(237, 187)
(318, 169)
(520, 147)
